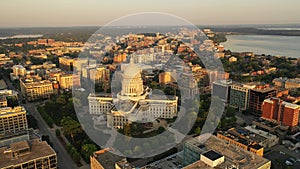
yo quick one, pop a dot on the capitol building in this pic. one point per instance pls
(134, 103)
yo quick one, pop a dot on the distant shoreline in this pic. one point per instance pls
(259, 31)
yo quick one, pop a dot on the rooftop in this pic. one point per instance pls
(19, 146)
(38, 149)
(107, 159)
(233, 155)
(211, 154)
(124, 164)
(243, 136)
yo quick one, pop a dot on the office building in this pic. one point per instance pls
(239, 96)
(221, 89)
(166, 78)
(103, 159)
(66, 63)
(28, 155)
(35, 88)
(12, 120)
(243, 139)
(67, 81)
(188, 85)
(257, 97)
(263, 138)
(18, 70)
(208, 151)
(13, 125)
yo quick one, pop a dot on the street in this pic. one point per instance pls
(63, 158)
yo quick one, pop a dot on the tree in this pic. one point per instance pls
(57, 132)
(70, 127)
(87, 150)
(75, 155)
(198, 130)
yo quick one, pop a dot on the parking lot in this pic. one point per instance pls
(280, 154)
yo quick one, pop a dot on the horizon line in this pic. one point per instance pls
(198, 25)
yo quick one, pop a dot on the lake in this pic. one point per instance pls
(264, 44)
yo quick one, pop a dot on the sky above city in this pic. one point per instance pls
(31, 13)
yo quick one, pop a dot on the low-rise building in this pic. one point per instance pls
(267, 139)
(13, 125)
(3, 101)
(292, 83)
(67, 81)
(18, 70)
(244, 139)
(12, 120)
(28, 154)
(208, 151)
(103, 159)
(34, 88)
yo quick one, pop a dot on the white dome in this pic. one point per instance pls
(131, 70)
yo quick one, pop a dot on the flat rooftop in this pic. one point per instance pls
(242, 135)
(108, 160)
(38, 149)
(233, 155)
(211, 154)
(19, 146)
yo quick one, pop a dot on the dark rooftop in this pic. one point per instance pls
(212, 155)
(256, 146)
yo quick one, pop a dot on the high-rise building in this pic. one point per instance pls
(28, 154)
(221, 89)
(257, 97)
(282, 112)
(239, 96)
(188, 85)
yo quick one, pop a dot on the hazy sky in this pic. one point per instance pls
(99, 12)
